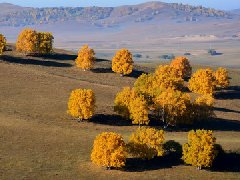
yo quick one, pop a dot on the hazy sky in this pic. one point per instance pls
(218, 4)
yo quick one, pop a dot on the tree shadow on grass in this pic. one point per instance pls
(110, 119)
(20, 60)
(226, 110)
(136, 73)
(102, 70)
(232, 92)
(227, 162)
(58, 56)
(140, 165)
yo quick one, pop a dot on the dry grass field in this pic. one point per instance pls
(40, 141)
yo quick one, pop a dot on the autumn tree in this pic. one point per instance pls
(27, 41)
(167, 77)
(45, 42)
(183, 66)
(3, 43)
(122, 62)
(81, 104)
(222, 78)
(203, 82)
(199, 151)
(86, 58)
(171, 106)
(132, 106)
(109, 150)
(146, 143)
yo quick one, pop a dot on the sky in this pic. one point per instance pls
(218, 4)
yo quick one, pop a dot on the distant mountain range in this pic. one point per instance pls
(12, 15)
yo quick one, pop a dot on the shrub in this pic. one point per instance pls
(122, 62)
(109, 150)
(86, 58)
(81, 104)
(3, 43)
(183, 66)
(146, 143)
(199, 151)
(45, 45)
(222, 79)
(203, 82)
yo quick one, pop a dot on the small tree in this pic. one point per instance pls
(183, 66)
(86, 58)
(3, 43)
(203, 82)
(171, 105)
(167, 77)
(45, 42)
(222, 79)
(109, 150)
(27, 41)
(146, 143)
(122, 62)
(81, 104)
(199, 151)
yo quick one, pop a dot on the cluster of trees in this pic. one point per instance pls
(32, 42)
(3, 43)
(122, 62)
(110, 150)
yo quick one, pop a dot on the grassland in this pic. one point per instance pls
(40, 141)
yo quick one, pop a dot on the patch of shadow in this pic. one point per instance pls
(101, 60)
(225, 110)
(102, 70)
(110, 119)
(136, 73)
(140, 165)
(19, 60)
(57, 56)
(227, 162)
(233, 92)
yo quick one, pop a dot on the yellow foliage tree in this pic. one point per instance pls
(172, 105)
(109, 150)
(222, 79)
(45, 42)
(167, 77)
(183, 66)
(122, 62)
(27, 41)
(131, 105)
(146, 143)
(81, 104)
(203, 82)
(3, 43)
(86, 58)
(199, 151)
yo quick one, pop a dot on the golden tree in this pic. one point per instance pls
(45, 42)
(203, 82)
(3, 43)
(131, 105)
(183, 66)
(138, 109)
(167, 77)
(122, 62)
(199, 151)
(27, 41)
(172, 105)
(146, 143)
(222, 79)
(86, 58)
(109, 150)
(81, 104)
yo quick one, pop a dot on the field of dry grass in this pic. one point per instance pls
(40, 141)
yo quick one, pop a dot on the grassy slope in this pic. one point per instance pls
(40, 141)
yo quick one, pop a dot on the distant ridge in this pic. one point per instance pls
(12, 15)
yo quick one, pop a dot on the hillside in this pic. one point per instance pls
(106, 16)
(39, 140)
